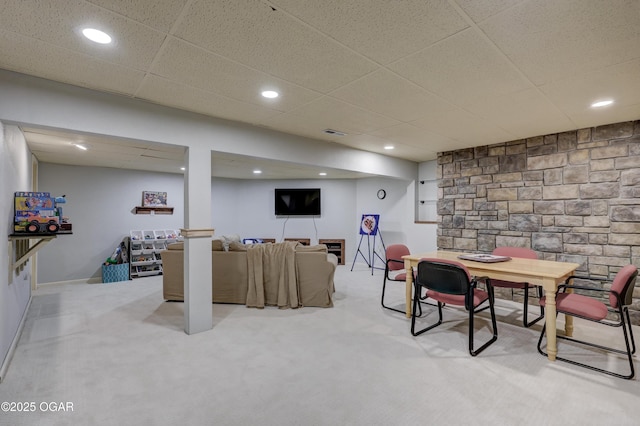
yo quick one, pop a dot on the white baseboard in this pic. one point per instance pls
(7, 360)
(92, 280)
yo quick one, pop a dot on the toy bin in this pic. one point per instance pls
(115, 273)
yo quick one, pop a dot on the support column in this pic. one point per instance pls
(198, 307)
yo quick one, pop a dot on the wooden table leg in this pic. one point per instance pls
(550, 318)
(409, 286)
(568, 319)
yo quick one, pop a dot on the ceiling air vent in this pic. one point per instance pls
(334, 132)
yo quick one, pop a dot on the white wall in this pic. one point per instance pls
(15, 292)
(100, 203)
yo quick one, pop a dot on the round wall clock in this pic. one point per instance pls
(382, 193)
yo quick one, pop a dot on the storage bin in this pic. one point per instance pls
(115, 273)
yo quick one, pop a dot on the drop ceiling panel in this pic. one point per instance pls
(551, 40)
(382, 30)
(478, 11)
(523, 113)
(424, 141)
(575, 95)
(54, 63)
(390, 95)
(464, 127)
(167, 92)
(158, 14)
(60, 23)
(251, 33)
(185, 63)
(462, 69)
(329, 113)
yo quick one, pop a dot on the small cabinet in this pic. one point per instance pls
(335, 247)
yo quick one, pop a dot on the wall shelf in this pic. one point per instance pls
(20, 249)
(153, 210)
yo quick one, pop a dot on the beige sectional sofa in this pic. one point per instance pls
(287, 275)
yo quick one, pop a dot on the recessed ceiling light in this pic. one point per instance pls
(270, 94)
(80, 146)
(97, 35)
(601, 103)
(388, 147)
(183, 168)
(257, 172)
(322, 173)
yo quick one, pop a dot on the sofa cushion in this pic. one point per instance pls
(316, 248)
(236, 246)
(217, 245)
(175, 246)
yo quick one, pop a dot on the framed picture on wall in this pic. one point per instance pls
(154, 199)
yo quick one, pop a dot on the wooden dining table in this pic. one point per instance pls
(545, 273)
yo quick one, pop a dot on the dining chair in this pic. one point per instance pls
(592, 308)
(394, 270)
(524, 253)
(448, 281)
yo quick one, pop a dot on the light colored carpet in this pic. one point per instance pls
(118, 352)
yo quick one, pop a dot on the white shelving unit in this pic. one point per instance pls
(144, 250)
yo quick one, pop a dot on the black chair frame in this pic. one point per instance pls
(623, 321)
(472, 285)
(525, 313)
(384, 285)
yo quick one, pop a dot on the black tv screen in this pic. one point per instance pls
(297, 202)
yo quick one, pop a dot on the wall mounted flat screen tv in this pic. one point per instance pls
(297, 202)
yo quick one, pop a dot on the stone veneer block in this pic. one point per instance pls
(464, 204)
(530, 193)
(520, 207)
(613, 131)
(599, 190)
(524, 222)
(627, 163)
(625, 213)
(597, 221)
(547, 161)
(609, 152)
(625, 227)
(580, 156)
(547, 242)
(578, 207)
(575, 174)
(560, 192)
(630, 177)
(584, 135)
(502, 194)
(549, 207)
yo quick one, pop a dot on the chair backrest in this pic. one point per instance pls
(443, 276)
(623, 284)
(520, 252)
(395, 252)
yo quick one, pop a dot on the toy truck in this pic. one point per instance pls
(35, 213)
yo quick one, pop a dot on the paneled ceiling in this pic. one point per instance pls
(422, 75)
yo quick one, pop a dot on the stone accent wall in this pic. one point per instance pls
(571, 196)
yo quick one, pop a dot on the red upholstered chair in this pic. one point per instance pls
(449, 282)
(590, 308)
(394, 269)
(524, 253)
